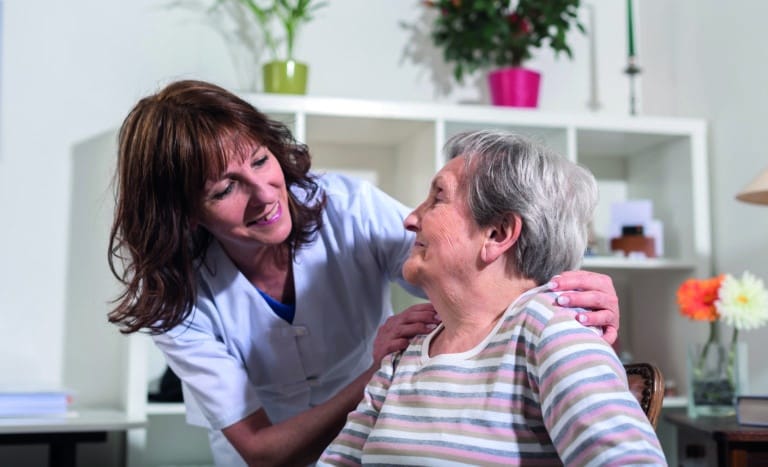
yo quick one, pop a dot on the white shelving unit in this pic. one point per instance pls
(660, 159)
(398, 145)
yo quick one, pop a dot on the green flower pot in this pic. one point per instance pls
(285, 77)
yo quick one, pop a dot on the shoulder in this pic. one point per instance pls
(560, 342)
(348, 196)
(340, 183)
(540, 317)
(537, 307)
(345, 190)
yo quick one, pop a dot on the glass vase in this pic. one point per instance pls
(713, 378)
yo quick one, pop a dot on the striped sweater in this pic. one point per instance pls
(540, 389)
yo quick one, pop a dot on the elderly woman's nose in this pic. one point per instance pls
(411, 222)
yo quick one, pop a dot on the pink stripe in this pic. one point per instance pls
(588, 363)
(594, 416)
(429, 427)
(338, 460)
(471, 377)
(351, 439)
(610, 441)
(584, 390)
(583, 360)
(379, 379)
(594, 393)
(425, 450)
(438, 402)
(566, 339)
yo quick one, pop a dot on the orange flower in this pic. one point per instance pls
(696, 298)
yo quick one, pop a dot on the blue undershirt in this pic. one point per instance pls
(282, 310)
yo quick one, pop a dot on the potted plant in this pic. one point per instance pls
(279, 22)
(499, 36)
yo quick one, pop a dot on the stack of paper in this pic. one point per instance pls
(33, 403)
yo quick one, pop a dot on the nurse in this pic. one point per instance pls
(265, 286)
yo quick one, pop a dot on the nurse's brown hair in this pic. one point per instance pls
(168, 146)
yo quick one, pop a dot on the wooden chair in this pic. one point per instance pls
(647, 384)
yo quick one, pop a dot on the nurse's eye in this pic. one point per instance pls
(259, 161)
(221, 194)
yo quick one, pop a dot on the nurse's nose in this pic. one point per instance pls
(258, 192)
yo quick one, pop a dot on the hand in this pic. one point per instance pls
(398, 330)
(592, 291)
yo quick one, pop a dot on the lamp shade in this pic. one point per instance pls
(756, 191)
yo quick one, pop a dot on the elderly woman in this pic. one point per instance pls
(507, 378)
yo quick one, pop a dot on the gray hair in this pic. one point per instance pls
(554, 197)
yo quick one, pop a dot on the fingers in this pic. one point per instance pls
(392, 338)
(410, 323)
(610, 334)
(583, 280)
(420, 313)
(602, 320)
(589, 299)
(389, 347)
(592, 291)
(396, 332)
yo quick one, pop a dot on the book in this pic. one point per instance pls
(33, 403)
(752, 410)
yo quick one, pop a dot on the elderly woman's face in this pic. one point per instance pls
(447, 238)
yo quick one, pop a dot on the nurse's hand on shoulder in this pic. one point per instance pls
(593, 291)
(398, 330)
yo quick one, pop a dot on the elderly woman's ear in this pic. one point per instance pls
(500, 237)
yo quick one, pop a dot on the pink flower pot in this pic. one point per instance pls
(514, 87)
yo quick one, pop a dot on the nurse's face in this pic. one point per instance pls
(247, 205)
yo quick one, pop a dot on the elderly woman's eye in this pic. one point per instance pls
(438, 196)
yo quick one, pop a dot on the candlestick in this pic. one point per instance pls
(632, 69)
(630, 30)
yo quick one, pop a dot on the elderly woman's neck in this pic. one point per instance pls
(471, 311)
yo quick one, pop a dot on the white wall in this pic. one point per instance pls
(707, 59)
(72, 70)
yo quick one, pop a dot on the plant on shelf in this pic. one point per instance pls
(289, 15)
(739, 303)
(486, 34)
(278, 22)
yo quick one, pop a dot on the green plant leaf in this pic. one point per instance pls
(289, 14)
(479, 34)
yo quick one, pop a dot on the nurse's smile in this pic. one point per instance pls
(271, 217)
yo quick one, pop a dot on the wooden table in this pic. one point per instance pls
(719, 441)
(62, 434)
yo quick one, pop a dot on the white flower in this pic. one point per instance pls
(743, 303)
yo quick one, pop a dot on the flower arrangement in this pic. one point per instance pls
(741, 303)
(477, 34)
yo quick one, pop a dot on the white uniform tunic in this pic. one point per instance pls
(235, 355)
